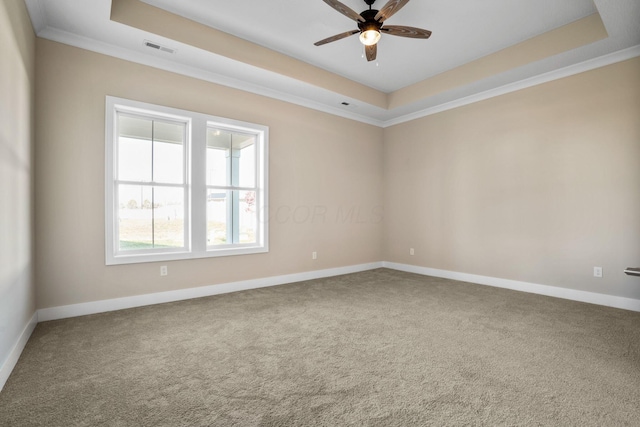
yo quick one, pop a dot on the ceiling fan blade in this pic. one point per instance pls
(371, 52)
(345, 10)
(402, 31)
(336, 37)
(389, 9)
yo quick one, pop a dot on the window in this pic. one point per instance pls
(182, 185)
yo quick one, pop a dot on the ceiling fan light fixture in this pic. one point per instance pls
(370, 24)
(370, 37)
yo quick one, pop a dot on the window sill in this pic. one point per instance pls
(177, 256)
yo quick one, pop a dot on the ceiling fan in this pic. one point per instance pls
(370, 25)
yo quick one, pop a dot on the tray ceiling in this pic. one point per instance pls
(477, 50)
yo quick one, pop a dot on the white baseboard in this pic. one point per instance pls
(533, 288)
(94, 307)
(16, 351)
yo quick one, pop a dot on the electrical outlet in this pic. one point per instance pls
(163, 270)
(411, 251)
(597, 271)
(314, 255)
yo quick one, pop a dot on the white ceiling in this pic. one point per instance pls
(463, 30)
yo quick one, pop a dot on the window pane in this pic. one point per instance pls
(134, 149)
(135, 217)
(168, 217)
(150, 217)
(245, 149)
(218, 161)
(247, 217)
(152, 156)
(218, 228)
(168, 152)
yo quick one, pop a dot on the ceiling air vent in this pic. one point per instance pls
(157, 46)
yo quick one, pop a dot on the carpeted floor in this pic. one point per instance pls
(379, 348)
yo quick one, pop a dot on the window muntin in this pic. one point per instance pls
(233, 194)
(182, 185)
(155, 222)
(150, 184)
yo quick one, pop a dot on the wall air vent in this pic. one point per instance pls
(157, 46)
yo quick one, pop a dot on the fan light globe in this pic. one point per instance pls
(369, 37)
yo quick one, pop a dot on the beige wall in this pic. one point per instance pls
(539, 185)
(136, 14)
(319, 164)
(17, 291)
(563, 39)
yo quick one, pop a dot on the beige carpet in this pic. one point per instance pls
(379, 348)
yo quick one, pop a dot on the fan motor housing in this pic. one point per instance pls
(370, 22)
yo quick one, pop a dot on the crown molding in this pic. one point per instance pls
(374, 116)
(92, 45)
(591, 64)
(37, 15)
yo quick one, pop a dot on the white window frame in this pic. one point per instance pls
(195, 184)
